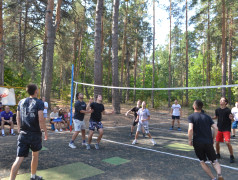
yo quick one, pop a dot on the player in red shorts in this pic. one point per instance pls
(225, 118)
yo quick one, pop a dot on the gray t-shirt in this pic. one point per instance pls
(143, 114)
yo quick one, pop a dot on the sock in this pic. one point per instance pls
(71, 142)
(33, 176)
(84, 141)
(12, 131)
(3, 131)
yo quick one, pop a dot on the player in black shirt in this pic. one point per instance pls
(200, 131)
(224, 116)
(30, 121)
(134, 123)
(95, 120)
(79, 124)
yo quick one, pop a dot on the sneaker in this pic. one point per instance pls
(97, 146)
(153, 142)
(218, 156)
(13, 134)
(171, 128)
(232, 159)
(88, 147)
(56, 130)
(72, 145)
(134, 142)
(3, 135)
(61, 130)
(179, 129)
(143, 135)
(37, 178)
(84, 144)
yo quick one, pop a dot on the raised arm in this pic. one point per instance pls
(107, 113)
(42, 123)
(128, 112)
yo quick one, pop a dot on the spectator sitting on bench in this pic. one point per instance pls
(6, 119)
(55, 115)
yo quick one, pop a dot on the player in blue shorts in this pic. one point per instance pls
(30, 121)
(95, 120)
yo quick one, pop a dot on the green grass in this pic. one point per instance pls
(116, 160)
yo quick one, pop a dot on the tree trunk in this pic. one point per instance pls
(208, 45)
(186, 51)
(123, 50)
(25, 30)
(98, 49)
(230, 57)
(20, 34)
(135, 68)
(144, 66)
(170, 17)
(223, 47)
(1, 48)
(127, 73)
(153, 60)
(115, 78)
(43, 64)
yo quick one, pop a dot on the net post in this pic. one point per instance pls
(72, 95)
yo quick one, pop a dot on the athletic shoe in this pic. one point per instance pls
(232, 159)
(171, 128)
(37, 178)
(153, 142)
(3, 135)
(72, 145)
(56, 130)
(84, 144)
(13, 134)
(88, 147)
(134, 142)
(143, 135)
(218, 156)
(61, 130)
(179, 129)
(96, 146)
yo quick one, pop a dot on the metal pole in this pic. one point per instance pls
(72, 96)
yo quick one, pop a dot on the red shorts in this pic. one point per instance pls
(223, 135)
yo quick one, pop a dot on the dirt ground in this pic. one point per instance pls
(169, 159)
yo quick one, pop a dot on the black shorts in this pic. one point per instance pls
(134, 123)
(175, 117)
(25, 142)
(204, 151)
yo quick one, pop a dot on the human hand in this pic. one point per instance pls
(231, 117)
(190, 143)
(90, 100)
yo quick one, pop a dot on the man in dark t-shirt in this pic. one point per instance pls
(95, 120)
(200, 131)
(224, 116)
(79, 124)
(134, 123)
(30, 121)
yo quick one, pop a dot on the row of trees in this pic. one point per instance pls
(112, 42)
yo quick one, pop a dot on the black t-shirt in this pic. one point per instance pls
(96, 116)
(201, 127)
(135, 110)
(223, 122)
(0, 106)
(29, 108)
(78, 107)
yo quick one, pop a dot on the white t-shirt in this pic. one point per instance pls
(234, 111)
(176, 109)
(45, 105)
(143, 114)
(54, 115)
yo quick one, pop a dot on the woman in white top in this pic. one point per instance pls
(176, 113)
(143, 116)
(234, 112)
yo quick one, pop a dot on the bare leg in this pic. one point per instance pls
(34, 162)
(90, 136)
(173, 123)
(217, 167)
(83, 134)
(100, 135)
(149, 135)
(218, 147)
(229, 148)
(234, 132)
(137, 134)
(132, 128)
(178, 123)
(2, 127)
(75, 135)
(207, 169)
(15, 167)
(143, 130)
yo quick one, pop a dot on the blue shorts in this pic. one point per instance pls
(234, 124)
(93, 125)
(175, 117)
(25, 142)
